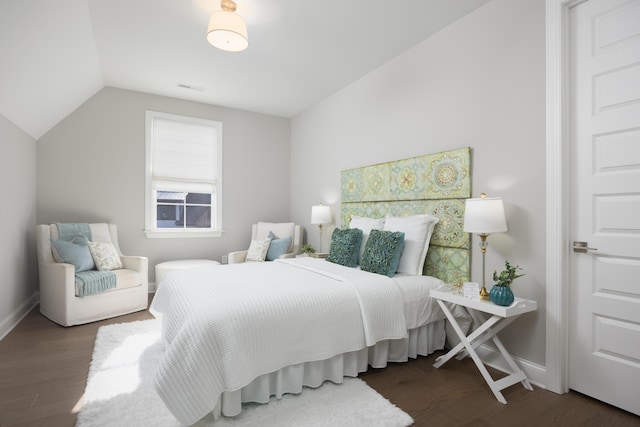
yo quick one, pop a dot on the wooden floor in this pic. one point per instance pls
(43, 371)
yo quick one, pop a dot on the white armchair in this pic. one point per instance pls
(280, 229)
(58, 300)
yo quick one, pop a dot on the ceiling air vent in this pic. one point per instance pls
(191, 87)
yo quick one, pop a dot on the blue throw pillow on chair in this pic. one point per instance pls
(72, 253)
(277, 247)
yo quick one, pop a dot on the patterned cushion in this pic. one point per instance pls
(382, 252)
(105, 256)
(258, 249)
(345, 246)
(277, 247)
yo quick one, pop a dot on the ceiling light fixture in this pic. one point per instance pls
(227, 30)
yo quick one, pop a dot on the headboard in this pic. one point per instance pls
(436, 184)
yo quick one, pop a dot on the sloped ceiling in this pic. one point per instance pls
(57, 54)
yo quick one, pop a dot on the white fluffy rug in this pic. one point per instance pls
(120, 392)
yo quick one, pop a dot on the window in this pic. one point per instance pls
(183, 176)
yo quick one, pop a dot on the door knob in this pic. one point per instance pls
(582, 247)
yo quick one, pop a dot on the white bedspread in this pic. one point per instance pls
(226, 325)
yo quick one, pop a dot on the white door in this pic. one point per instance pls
(604, 343)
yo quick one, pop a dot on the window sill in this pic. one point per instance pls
(170, 234)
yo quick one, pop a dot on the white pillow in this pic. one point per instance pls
(417, 231)
(105, 256)
(258, 249)
(366, 225)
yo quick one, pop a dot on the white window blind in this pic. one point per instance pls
(184, 156)
(183, 174)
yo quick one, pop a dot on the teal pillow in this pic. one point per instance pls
(277, 247)
(382, 252)
(72, 253)
(345, 246)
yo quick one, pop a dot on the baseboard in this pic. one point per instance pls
(11, 321)
(536, 374)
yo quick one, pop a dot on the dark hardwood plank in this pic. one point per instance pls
(44, 366)
(456, 395)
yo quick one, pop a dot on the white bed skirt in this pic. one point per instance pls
(291, 379)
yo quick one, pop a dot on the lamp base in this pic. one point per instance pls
(484, 295)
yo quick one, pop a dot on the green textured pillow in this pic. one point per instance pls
(382, 252)
(71, 253)
(345, 246)
(277, 247)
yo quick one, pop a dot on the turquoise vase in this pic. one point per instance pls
(501, 295)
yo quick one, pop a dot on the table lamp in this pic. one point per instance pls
(484, 216)
(320, 215)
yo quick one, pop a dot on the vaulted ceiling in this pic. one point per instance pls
(57, 54)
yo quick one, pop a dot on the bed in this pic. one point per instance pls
(244, 333)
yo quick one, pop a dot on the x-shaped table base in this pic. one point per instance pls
(467, 347)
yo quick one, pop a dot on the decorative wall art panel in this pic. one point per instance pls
(435, 184)
(443, 175)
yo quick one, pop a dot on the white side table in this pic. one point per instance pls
(500, 318)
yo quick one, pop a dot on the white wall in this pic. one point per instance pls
(18, 283)
(91, 168)
(479, 82)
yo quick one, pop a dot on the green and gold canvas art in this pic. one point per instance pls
(435, 184)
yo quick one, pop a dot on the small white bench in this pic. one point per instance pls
(164, 268)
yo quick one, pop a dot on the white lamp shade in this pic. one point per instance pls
(227, 31)
(320, 214)
(484, 216)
